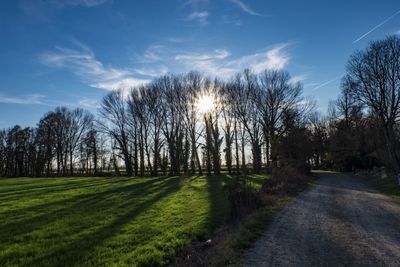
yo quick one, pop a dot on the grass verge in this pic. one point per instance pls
(228, 243)
(388, 185)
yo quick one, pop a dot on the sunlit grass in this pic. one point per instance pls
(105, 221)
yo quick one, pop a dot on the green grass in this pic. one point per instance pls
(105, 221)
(256, 180)
(387, 186)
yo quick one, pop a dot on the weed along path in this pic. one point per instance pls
(338, 221)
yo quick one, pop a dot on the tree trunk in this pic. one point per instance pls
(237, 149)
(71, 167)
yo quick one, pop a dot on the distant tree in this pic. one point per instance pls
(276, 96)
(152, 98)
(79, 124)
(229, 126)
(375, 78)
(172, 90)
(294, 145)
(240, 95)
(46, 140)
(114, 122)
(319, 138)
(194, 82)
(92, 145)
(3, 156)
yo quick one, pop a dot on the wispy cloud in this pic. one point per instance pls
(245, 7)
(89, 103)
(83, 63)
(152, 54)
(175, 40)
(274, 58)
(195, 3)
(217, 54)
(42, 9)
(88, 3)
(376, 27)
(227, 19)
(23, 100)
(123, 84)
(217, 63)
(199, 17)
(299, 78)
(152, 72)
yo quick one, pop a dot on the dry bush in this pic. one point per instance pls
(286, 178)
(243, 199)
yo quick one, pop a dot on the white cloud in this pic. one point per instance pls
(218, 64)
(125, 83)
(245, 8)
(275, 58)
(209, 63)
(200, 17)
(23, 100)
(83, 63)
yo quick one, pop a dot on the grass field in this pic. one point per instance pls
(105, 221)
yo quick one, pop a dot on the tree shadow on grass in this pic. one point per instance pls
(37, 191)
(123, 200)
(219, 205)
(76, 251)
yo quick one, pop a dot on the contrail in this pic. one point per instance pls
(376, 27)
(327, 82)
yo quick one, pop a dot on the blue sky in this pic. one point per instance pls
(72, 52)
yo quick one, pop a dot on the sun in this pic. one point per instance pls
(205, 104)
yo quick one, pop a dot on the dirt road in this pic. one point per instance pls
(336, 222)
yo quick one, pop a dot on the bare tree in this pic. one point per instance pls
(375, 78)
(277, 95)
(152, 97)
(173, 118)
(79, 122)
(194, 82)
(114, 122)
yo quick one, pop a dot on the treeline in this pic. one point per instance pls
(362, 126)
(177, 124)
(52, 148)
(191, 124)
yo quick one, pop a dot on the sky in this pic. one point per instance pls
(72, 52)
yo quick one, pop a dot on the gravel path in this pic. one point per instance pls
(338, 221)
